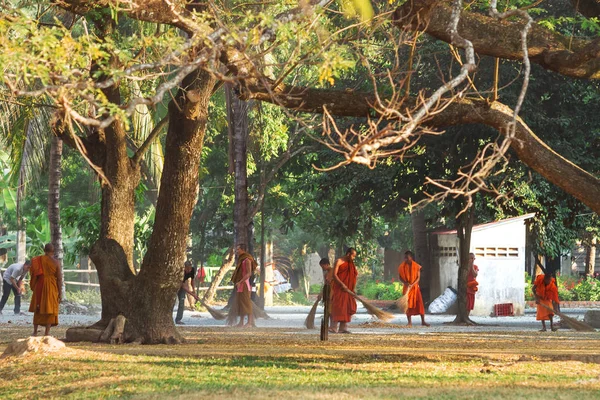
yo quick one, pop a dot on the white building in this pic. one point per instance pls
(500, 253)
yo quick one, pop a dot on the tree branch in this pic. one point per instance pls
(151, 137)
(569, 56)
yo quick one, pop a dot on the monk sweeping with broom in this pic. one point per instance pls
(343, 304)
(546, 298)
(410, 275)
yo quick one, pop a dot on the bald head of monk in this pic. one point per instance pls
(351, 253)
(408, 256)
(49, 249)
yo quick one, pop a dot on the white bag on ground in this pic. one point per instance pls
(441, 304)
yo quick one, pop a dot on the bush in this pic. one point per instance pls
(528, 289)
(375, 290)
(315, 288)
(84, 297)
(587, 290)
(291, 299)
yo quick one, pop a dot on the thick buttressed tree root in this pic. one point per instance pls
(116, 332)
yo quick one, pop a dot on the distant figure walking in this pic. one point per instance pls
(472, 284)
(410, 275)
(12, 280)
(46, 284)
(343, 304)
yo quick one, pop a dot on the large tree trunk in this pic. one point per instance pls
(237, 116)
(464, 228)
(152, 299)
(590, 256)
(227, 265)
(147, 300)
(112, 254)
(54, 176)
(421, 250)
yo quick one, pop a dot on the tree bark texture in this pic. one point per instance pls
(421, 250)
(161, 272)
(54, 177)
(464, 227)
(237, 118)
(569, 56)
(590, 256)
(147, 300)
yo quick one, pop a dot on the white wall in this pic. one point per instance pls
(501, 272)
(313, 269)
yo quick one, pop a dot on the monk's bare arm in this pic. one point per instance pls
(475, 272)
(335, 274)
(418, 279)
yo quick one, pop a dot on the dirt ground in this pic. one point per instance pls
(262, 363)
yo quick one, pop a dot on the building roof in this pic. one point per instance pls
(488, 225)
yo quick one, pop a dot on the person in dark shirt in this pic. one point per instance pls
(188, 274)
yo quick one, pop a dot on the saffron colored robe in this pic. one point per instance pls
(472, 287)
(410, 274)
(242, 287)
(547, 294)
(343, 305)
(44, 284)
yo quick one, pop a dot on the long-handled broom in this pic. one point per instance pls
(572, 322)
(374, 311)
(402, 303)
(218, 315)
(309, 322)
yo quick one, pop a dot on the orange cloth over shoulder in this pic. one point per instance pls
(343, 305)
(547, 294)
(44, 301)
(410, 274)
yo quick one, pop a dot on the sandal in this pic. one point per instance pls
(347, 332)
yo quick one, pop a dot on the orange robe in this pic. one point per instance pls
(410, 274)
(472, 287)
(343, 305)
(44, 300)
(547, 294)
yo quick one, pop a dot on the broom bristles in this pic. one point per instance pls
(259, 312)
(402, 303)
(374, 311)
(216, 314)
(309, 322)
(572, 322)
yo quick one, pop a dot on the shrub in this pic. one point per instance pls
(375, 290)
(588, 290)
(291, 298)
(84, 297)
(315, 288)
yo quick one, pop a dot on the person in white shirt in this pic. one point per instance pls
(11, 281)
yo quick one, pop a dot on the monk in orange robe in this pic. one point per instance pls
(343, 304)
(410, 275)
(46, 284)
(546, 294)
(472, 284)
(241, 280)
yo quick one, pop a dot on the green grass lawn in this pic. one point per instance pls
(225, 363)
